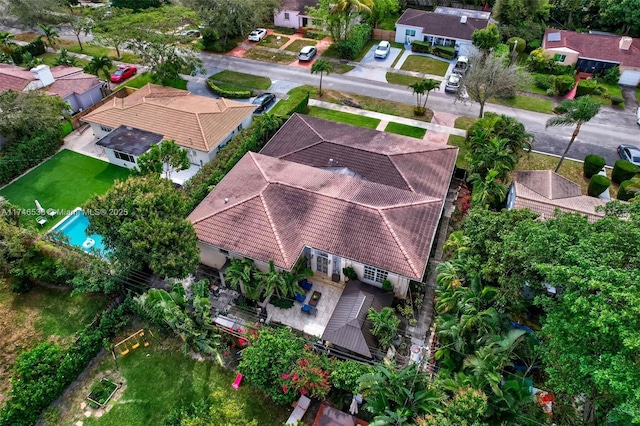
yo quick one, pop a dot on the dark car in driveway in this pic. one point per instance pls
(263, 102)
(630, 153)
(123, 73)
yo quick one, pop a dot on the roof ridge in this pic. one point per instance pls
(311, 127)
(549, 202)
(395, 238)
(400, 173)
(273, 228)
(204, 137)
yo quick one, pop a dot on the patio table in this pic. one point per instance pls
(315, 298)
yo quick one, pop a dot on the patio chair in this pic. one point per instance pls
(300, 297)
(306, 284)
(306, 309)
(41, 220)
(51, 212)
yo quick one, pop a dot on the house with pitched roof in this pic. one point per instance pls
(337, 194)
(293, 14)
(544, 191)
(595, 53)
(199, 124)
(72, 84)
(445, 26)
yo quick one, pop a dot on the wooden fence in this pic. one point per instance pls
(383, 35)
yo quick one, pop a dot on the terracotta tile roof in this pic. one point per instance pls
(68, 80)
(386, 158)
(595, 46)
(275, 208)
(348, 326)
(441, 24)
(544, 191)
(299, 5)
(13, 77)
(192, 121)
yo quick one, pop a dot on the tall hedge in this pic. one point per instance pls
(623, 194)
(36, 48)
(597, 185)
(592, 165)
(586, 87)
(623, 170)
(18, 156)
(355, 42)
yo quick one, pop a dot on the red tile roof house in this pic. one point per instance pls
(445, 26)
(199, 124)
(595, 53)
(337, 194)
(544, 191)
(79, 89)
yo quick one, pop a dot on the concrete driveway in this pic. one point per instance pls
(370, 61)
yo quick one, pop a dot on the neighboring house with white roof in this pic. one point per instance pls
(443, 27)
(199, 124)
(72, 84)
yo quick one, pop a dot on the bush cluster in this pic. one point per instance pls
(355, 42)
(612, 75)
(538, 61)
(36, 48)
(231, 94)
(41, 374)
(592, 165)
(587, 87)
(623, 170)
(623, 193)
(447, 52)
(556, 85)
(597, 185)
(617, 100)
(18, 156)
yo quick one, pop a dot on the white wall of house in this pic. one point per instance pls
(408, 34)
(122, 161)
(291, 19)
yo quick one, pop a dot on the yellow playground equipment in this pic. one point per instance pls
(132, 342)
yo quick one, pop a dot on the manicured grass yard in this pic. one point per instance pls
(529, 103)
(401, 79)
(272, 41)
(425, 65)
(41, 314)
(142, 79)
(267, 56)
(341, 68)
(296, 45)
(95, 50)
(160, 379)
(63, 182)
(344, 117)
(403, 129)
(531, 86)
(242, 79)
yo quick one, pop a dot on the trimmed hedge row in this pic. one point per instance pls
(597, 185)
(592, 165)
(586, 87)
(623, 194)
(623, 170)
(231, 94)
(352, 46)
(41, 374)
(446, 52)
(16, 157)
(36, 48)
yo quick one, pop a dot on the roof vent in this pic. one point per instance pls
(463, 19)
(226, 200)
(625, 43)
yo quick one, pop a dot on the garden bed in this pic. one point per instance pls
(273, 42)
(101, 393)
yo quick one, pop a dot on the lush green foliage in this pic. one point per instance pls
(446, 52)
(384, 325)
(30, 114)
(623, 193)
(593, 164)
(597, 185)
(163, 159)
(612, 75)
(143, 221)
(517, 43)
(226, 93)
(357, 38)
(623, 170)
(22, 154)
(42, 373)
(345, 375)
(341, 16)
(321, 67)
(486, 38)
(539, 62)
(350, 273)
(422, 89)
(586, 87)
(35, 48)
(137, 5)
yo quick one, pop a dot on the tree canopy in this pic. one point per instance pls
(164, 159)
(29, 114)
(143, 221)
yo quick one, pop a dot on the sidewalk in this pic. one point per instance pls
(392, 118)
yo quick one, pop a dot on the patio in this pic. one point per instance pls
(312, 324)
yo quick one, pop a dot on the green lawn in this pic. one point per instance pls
(403, 129)
(531, 86)
(341, 68)
(402, 79)
(295, 95)
(95, 50)
(63, 182)
(242, 79)
(297, 45)
(272, 41)
(331, 52)
(344, 117)
(142, 79)
(610, 90)
(464, 122)
(267, 56)
(454, 140)
(638, 93)
(161, 379)
(425, 65)
(526, 102)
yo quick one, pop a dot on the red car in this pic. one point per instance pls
(123, 73)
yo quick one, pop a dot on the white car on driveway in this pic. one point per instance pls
(453, 83)
(382, 51)
(257, 35)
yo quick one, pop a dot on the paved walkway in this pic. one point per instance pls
(446, 119)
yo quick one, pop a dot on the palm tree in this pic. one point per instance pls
(7, 44)
(323, 67)
(274, 281)
(422, 89)
(487, 190)
(574, 112)
(64, 58)
(240, 274)
(384, 325)
(99, 64)
(492, 154)
(29, 61)
(50, 34)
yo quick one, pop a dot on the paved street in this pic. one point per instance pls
(600, 136)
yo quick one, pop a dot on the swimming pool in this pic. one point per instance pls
(74, 226)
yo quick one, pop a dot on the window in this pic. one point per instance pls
(286, 16)
(559, 58)
(239, 127)
(106, 129)
(375, 274)
(122, 156)
(411, 33)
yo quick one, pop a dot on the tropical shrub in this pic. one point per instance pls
(350, 273)
(533, 45)
(542, 81)
(386, 285)
(592, 165)
(421, 46)
(310, 376)
(586, 87)
(355, 42)
(597, 185)
(563, 84)
(384, 325)
(623, 193)
(346, 374)
(35, 48)
(612, 75)
(617, 100)
(623, 170)
(520, 46)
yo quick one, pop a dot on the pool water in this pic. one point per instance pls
(75, 227)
